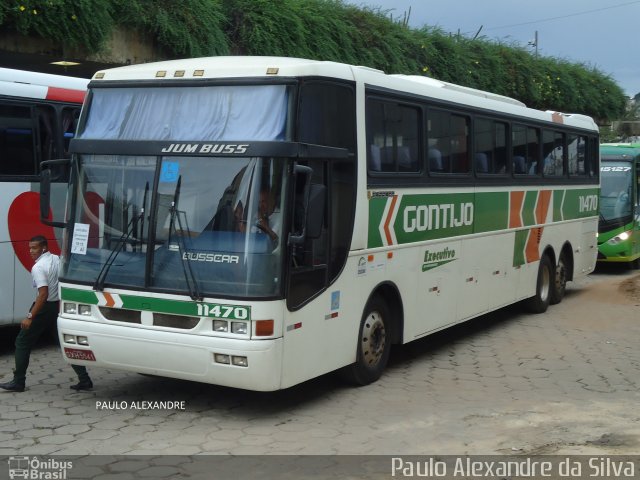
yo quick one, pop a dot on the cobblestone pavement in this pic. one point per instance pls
(562, 382)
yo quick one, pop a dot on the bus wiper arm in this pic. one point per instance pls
(189, 276)
(98, 285)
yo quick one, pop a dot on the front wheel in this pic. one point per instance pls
(374, 344)
(559, 285)
(540, 301)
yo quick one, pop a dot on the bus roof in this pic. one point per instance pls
(44, 86)
(618, 150)
(256, 67)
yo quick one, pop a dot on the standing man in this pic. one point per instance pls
(41, 317)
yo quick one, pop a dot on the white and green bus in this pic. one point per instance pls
(396, 206)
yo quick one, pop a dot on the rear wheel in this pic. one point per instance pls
(559, 285)
(374, 344)
(540, 301)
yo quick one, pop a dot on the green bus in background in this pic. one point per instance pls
(619, 226)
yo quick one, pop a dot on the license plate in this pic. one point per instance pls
(77, 354)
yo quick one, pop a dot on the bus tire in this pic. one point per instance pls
(559, 285)
(540, 301)
(374, 344)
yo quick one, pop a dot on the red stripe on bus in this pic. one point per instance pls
(65, 95)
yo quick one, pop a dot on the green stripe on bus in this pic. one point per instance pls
(558, 197)
(163, 305)
(430, 216)
(529, 207)
(160, 305)
(518, 247)
(491, 211)
(80, 296)
(580, 203)
(376, 210)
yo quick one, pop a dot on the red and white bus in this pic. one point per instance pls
(38, 114)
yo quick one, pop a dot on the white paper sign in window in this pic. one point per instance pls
(80, 238)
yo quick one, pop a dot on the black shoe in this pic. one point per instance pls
(12, 386)
(83, 385)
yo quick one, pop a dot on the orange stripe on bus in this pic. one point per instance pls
(387, 233)
(542, 208)
(110, 301)
(532, 250)
(515, 209)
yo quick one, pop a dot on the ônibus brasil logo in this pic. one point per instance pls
(36, 469)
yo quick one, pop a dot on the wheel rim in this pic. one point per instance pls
(374, 339)
(545, 283)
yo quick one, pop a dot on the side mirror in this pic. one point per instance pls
(45, 192)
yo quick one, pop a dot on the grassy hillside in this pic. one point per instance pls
(326, 30)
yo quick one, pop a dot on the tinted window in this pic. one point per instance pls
(327, 115)
(393, 136)
(17, 136)
(526, 150)
(553, 152)
(577, 151)
(490, 154)
(448, 141)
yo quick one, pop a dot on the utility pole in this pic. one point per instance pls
(534, 43)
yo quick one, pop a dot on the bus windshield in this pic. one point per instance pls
(616, 190)
(213, 227)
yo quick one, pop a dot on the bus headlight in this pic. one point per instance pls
(620, 238)
(70, 308)
(220, 326)
(84, 310)
(239, 328)
(222, 358)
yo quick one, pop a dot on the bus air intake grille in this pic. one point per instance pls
(120, 315)
(175, 321)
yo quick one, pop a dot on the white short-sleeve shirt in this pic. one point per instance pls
(45, 274)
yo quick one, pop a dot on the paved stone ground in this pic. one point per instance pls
(564, 382)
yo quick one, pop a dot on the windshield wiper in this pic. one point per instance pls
(189, 276)
(98, 285)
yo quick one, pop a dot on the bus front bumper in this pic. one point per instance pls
(174, 354)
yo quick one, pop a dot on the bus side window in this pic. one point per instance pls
(69, 124)
(526, 150)
(393, 133)
(449, 142)
(46, 133)
(17, 155)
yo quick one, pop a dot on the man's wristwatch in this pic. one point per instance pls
(29, 315)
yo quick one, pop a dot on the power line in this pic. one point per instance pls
(564, 16)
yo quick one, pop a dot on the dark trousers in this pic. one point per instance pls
(28, 337)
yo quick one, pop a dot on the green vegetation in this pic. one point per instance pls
(323, 30)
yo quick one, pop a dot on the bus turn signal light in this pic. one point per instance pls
(264, 328)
